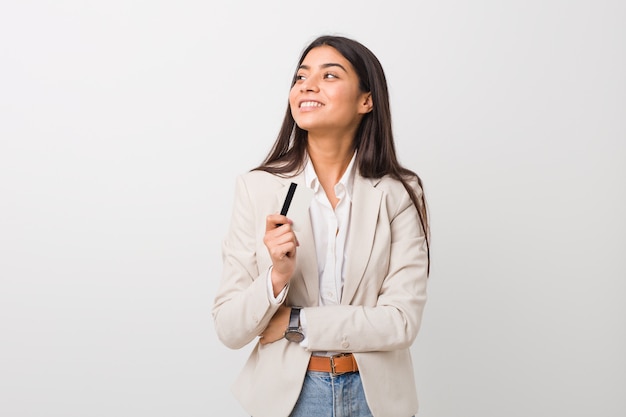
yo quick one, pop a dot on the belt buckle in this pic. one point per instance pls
(332, 363)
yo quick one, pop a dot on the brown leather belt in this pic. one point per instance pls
(337, 364)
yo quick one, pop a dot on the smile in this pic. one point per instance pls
(310, 104)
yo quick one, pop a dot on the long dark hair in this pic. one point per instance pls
(376, 156)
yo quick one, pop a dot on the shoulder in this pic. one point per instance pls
(259, 183)
(395, 195)
(258, 177)
(394, 187)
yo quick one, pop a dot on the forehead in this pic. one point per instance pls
(325, 54)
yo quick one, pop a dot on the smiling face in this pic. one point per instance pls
(326, 98)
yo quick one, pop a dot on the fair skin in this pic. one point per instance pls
(326, 102)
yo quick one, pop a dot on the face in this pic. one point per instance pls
(326, 98)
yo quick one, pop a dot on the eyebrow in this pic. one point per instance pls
(328, 65)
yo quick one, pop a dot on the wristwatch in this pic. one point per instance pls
(294, 330)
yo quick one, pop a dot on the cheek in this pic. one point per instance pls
(343, 96)
(292, 96)
(292, 105)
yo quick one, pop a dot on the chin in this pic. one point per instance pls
(310, 125)
(305, 126)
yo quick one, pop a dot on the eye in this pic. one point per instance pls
(330, 75)
(300, 77)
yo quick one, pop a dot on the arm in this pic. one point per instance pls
(242, 307)
(386, 312)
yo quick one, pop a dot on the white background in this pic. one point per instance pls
(124, 123)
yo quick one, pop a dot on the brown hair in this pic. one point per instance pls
(376, 156)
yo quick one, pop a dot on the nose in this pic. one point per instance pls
(309, 85)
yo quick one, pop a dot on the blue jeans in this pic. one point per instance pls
(324, 395)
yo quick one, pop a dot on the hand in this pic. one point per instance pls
(275, 329)
(281, 243)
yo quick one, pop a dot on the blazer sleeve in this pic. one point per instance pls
(241, 308)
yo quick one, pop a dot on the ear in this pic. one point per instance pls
(367, 104)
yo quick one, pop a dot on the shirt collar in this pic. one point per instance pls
(347, 179)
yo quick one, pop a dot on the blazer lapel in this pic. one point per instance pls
(366, 202)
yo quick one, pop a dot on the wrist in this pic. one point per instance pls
(279, 281)
(294, 327)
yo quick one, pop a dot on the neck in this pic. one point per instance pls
(330, 158)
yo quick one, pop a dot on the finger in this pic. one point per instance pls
(284, 250)
(279, 244)
(275, 220)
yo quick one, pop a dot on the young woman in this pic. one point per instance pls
(336, 301)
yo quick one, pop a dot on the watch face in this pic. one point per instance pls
(294, 336)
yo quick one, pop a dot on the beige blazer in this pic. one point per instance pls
(381, 306)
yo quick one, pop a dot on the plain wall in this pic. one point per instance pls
(124, 123)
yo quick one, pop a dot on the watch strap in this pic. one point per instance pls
(294, 318)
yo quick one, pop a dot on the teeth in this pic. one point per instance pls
(310, 104)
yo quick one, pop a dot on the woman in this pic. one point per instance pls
(335, 300)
